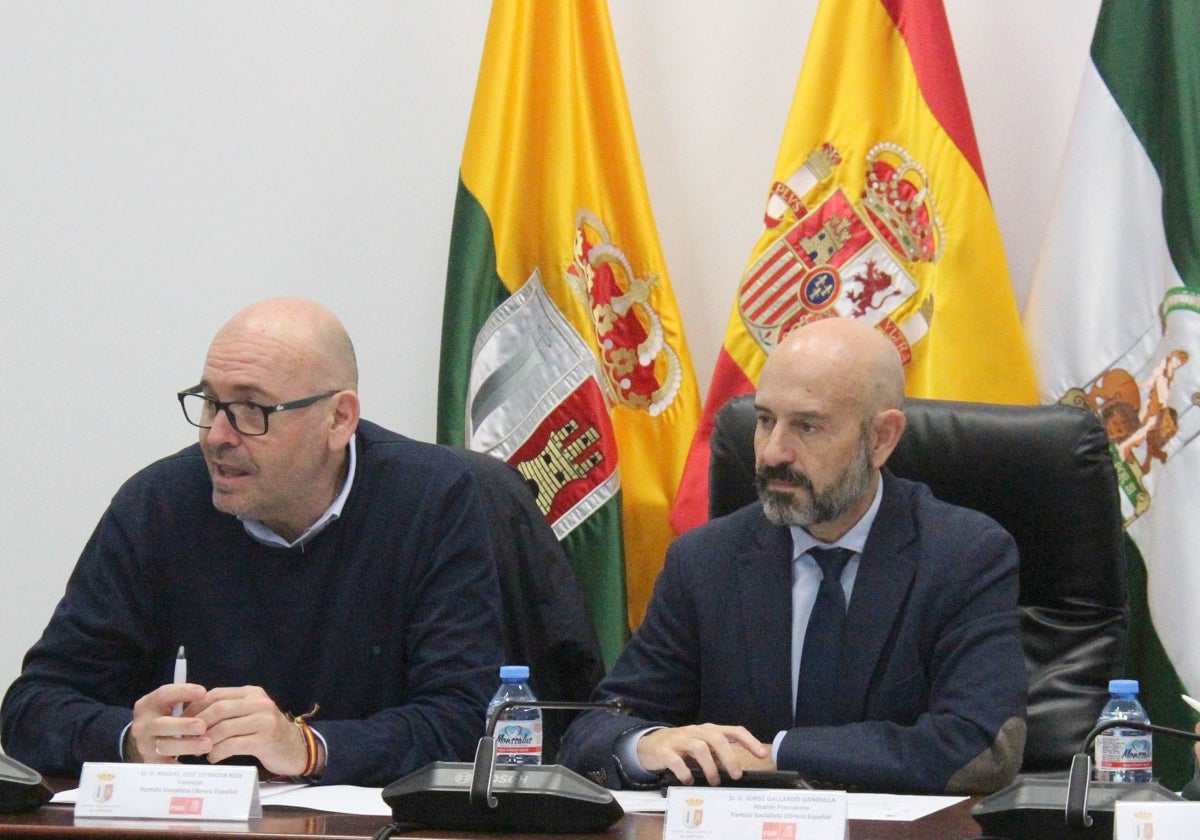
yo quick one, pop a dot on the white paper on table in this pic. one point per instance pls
(896, 807)
(339, 799)
(641, 801)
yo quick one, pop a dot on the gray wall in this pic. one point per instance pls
(161, 164)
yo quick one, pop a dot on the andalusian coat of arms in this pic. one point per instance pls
(1147, 399)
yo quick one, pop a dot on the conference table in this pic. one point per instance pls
(287, 823)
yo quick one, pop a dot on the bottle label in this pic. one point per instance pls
(519, 738)
(1124, 752)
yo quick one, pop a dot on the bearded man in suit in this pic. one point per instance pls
(909, 678)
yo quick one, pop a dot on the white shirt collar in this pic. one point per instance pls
(265, 535)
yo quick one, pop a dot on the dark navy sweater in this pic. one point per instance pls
(389, 618)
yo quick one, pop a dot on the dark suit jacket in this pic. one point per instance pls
(931, 694)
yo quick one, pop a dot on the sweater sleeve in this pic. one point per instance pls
(80, 680)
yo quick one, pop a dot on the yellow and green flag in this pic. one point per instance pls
(878, 210)
(562, 348)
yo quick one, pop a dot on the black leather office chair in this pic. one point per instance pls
(1046, 475)
(546, 621)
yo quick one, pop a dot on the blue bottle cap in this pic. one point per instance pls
(1123, 686)
(521, 672)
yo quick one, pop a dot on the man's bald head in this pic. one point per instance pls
(308, 341)
(847, 355)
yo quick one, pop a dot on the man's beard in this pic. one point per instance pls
(824, 506)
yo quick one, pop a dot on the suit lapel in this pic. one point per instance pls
(765, 589)
(885, 574)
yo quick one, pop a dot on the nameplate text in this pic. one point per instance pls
(168, 791)
(696, 813)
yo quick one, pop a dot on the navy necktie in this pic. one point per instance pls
(817, 685)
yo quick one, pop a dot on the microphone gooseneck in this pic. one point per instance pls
(484, 767)
(1106, 725)
(1079, 780)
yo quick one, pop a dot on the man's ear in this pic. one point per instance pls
(886, 429)
(344, 419)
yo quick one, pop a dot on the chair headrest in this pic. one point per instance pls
(1044, 472)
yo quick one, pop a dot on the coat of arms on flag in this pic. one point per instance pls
(1147, 399)
(841, 258)
(535, 400)
(641, 370)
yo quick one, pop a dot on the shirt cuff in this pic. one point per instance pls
(775, 746)
(325, 745)
(121, 741)
(625, 751)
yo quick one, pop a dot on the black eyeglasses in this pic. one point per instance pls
(246, 417)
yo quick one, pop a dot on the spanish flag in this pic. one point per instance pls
(562, 348)
(878, 209)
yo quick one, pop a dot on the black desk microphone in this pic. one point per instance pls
(480, 796)
(21, 787)
(1076, 807)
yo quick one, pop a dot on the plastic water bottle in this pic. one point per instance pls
(518, 732)
(1124, 755)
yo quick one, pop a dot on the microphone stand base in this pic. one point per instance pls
(1035, 808)
(529, 797)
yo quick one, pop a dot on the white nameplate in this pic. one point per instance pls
(1160, 820)
(755, 814)
(168, 791)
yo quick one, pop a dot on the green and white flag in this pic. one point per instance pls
(562, 345)
(1113, 317)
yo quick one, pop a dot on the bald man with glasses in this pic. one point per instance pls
(330, 583)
